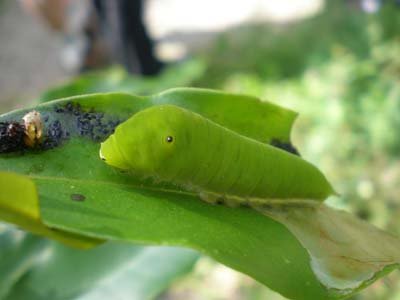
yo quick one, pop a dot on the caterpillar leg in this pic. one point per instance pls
(228, 200)
(211, 198)
(234, 201)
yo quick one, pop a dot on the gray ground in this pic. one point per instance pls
(29, 57)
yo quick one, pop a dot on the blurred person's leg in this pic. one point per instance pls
(99, 32)
(130, 44)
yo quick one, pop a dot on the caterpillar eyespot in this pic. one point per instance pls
(210, 159)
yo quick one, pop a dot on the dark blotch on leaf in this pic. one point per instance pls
(53, 136)
(89, 123)
(69, 107)
(78, 197)
(65, 122)
(288, 147)
(11, 137)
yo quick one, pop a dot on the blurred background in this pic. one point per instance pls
(335, 62)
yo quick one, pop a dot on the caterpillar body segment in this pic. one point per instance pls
(184, 148)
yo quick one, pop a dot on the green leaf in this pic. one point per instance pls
(240, 238)
(19, 205)
(247, 115)
(18, 253)
(116, 79)
(105, 272)
(347, 254)
(118, 208)
(81, 194)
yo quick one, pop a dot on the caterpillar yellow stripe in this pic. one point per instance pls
(179, 146)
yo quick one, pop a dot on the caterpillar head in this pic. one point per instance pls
(148, 142)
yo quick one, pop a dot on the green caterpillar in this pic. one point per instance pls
(178, 146)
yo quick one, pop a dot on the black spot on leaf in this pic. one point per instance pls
(53, 136)
(78, 197)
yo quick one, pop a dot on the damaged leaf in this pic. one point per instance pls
(81, 194)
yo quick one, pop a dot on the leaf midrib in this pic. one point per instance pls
(94, 182)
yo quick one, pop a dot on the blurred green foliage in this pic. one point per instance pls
(341, 71)
(116, 79)
(36, 268)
